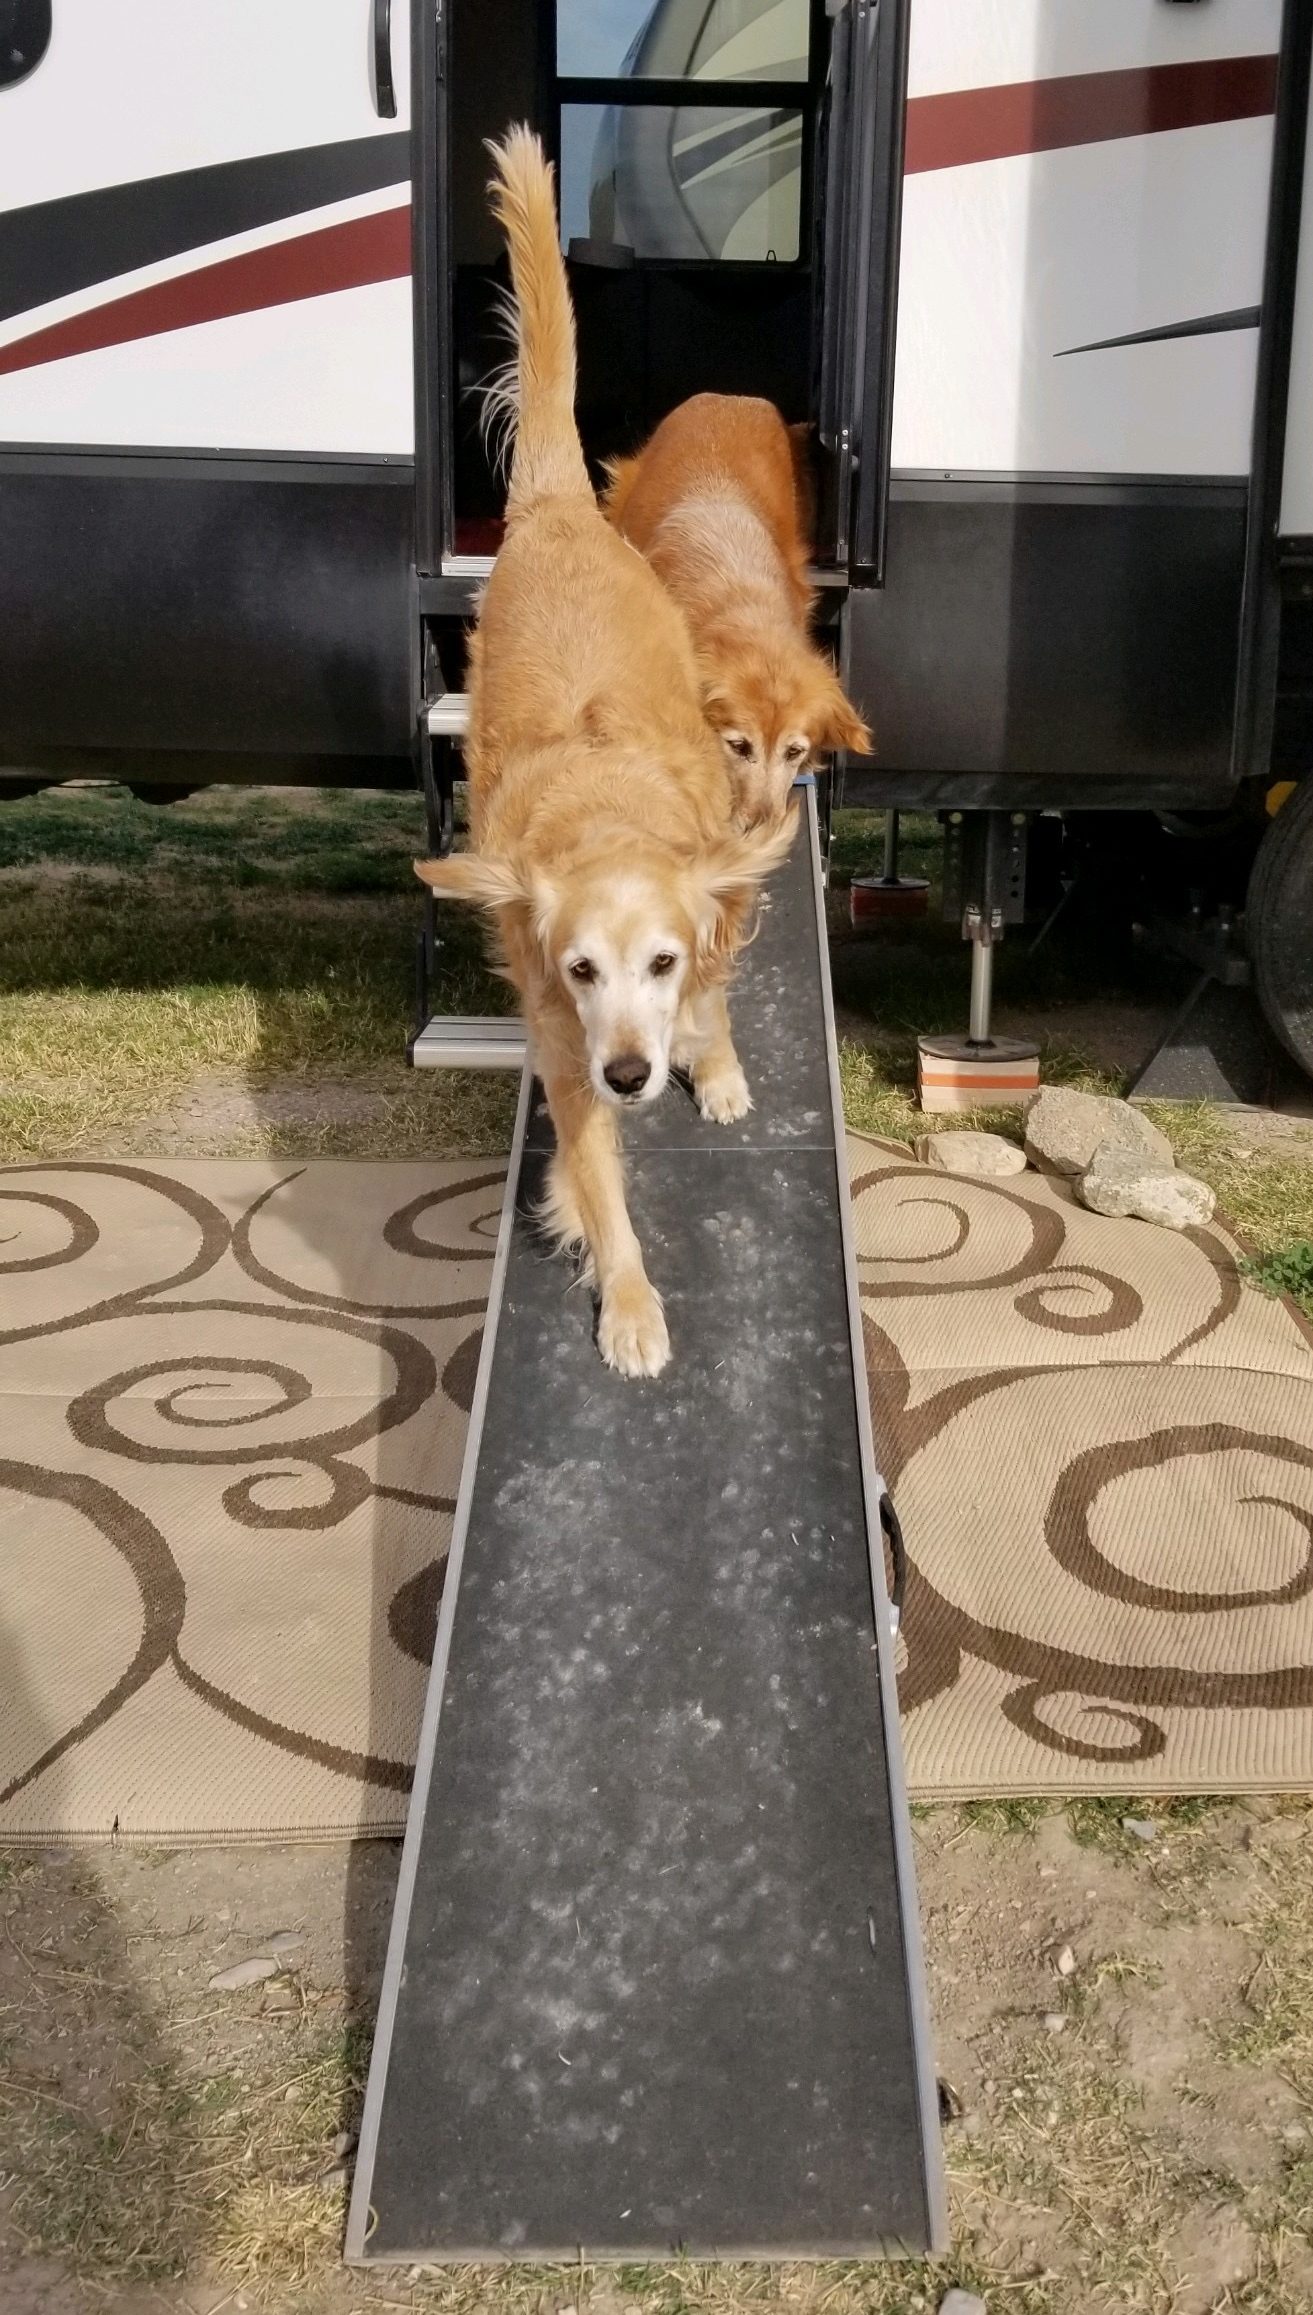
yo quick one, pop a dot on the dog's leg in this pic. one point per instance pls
(586, 1188)
(705, 1047)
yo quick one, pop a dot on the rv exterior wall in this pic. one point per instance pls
(1297, 482)
(1014, 265)
(131, 92)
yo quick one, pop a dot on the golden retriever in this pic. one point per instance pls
(718, 503)
(602, 818)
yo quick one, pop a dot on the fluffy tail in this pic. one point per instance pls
(621, 475)
(548, 461)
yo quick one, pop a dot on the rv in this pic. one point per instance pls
(1033, 272)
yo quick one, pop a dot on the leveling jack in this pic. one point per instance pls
(985, 889)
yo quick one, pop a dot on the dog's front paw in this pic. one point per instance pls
(631, 1330)
(723, 1095)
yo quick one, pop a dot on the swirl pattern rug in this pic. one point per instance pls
(233, 1399)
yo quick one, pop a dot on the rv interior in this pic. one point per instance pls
(685, 137)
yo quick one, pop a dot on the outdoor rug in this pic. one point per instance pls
(232, 1408)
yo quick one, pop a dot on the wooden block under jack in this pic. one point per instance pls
(956, 1073)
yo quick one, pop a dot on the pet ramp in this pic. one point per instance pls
(654, 1982)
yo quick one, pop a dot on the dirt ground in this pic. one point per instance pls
(1122, 2019)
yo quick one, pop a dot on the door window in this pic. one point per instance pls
(704, 175)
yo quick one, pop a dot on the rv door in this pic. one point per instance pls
(861, 173)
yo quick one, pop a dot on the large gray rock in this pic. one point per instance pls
(1120, 1183)
(970, 1153)
(1065, 1128)
(959, 2302)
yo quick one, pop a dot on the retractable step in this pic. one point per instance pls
(449, 717)
(469, 1041)
(654, 1979)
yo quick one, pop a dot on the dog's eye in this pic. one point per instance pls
(581, 970)
(738, 744)
(795, 751)
(662, 964)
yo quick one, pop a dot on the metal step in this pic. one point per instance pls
(480, 567)
(469, 1041)
(449, 717)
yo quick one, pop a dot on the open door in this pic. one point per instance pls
(861, 172)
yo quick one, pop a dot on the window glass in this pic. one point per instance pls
(683, 181)
(24, 38)
(682, 39)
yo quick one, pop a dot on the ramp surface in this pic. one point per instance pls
(654, 1981)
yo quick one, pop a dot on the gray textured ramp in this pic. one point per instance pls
(654, 1983)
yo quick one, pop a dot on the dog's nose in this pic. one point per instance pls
(628, 1074)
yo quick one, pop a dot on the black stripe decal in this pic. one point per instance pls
(57, 247)
(1244, 317)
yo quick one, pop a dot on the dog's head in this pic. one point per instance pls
(776, 707)
(626, 933)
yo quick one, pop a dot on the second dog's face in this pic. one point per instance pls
(763, 766)
(775, 712)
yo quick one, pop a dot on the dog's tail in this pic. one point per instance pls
(621, 475)
(548, 460)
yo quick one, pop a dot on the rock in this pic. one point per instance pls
(287, 1941)
(1055, 2022)
(1120, 1183)
(244, 1973)
(344, 2144)
(1065, 1128)
(970, 1153)
(1140, 1828)
(337, 2174)
(1065, 1964)
(957, 2302)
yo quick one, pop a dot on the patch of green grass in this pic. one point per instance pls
(308, 840)
(1267, 1195)
(1098, 1821)
(242, 936)
(1287, 1270)
(1005, 1816)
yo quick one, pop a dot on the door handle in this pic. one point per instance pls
(385, 94)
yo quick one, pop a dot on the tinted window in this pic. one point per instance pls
(687, 181)
(741, 40)
(24, 38)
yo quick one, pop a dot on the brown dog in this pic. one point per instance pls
(602, 817)
(718, 504)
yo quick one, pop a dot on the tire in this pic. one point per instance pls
(1279, 924)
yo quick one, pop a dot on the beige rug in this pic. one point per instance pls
(1100, 1442)
(232, 1407)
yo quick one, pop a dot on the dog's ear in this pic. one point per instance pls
(731, 874)
(472, 876)
(841, 726)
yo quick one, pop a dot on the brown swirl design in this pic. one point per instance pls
(1102, 1444)
(256, 1417)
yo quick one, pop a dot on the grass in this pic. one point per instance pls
(234, 937)
(1288, 1270)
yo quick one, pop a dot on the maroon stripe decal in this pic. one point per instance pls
(345, 256)
(1084, 108)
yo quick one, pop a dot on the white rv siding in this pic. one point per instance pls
(1009, 264)
(135, 89)
(1297, 482)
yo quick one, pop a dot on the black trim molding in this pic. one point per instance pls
(55, 248)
